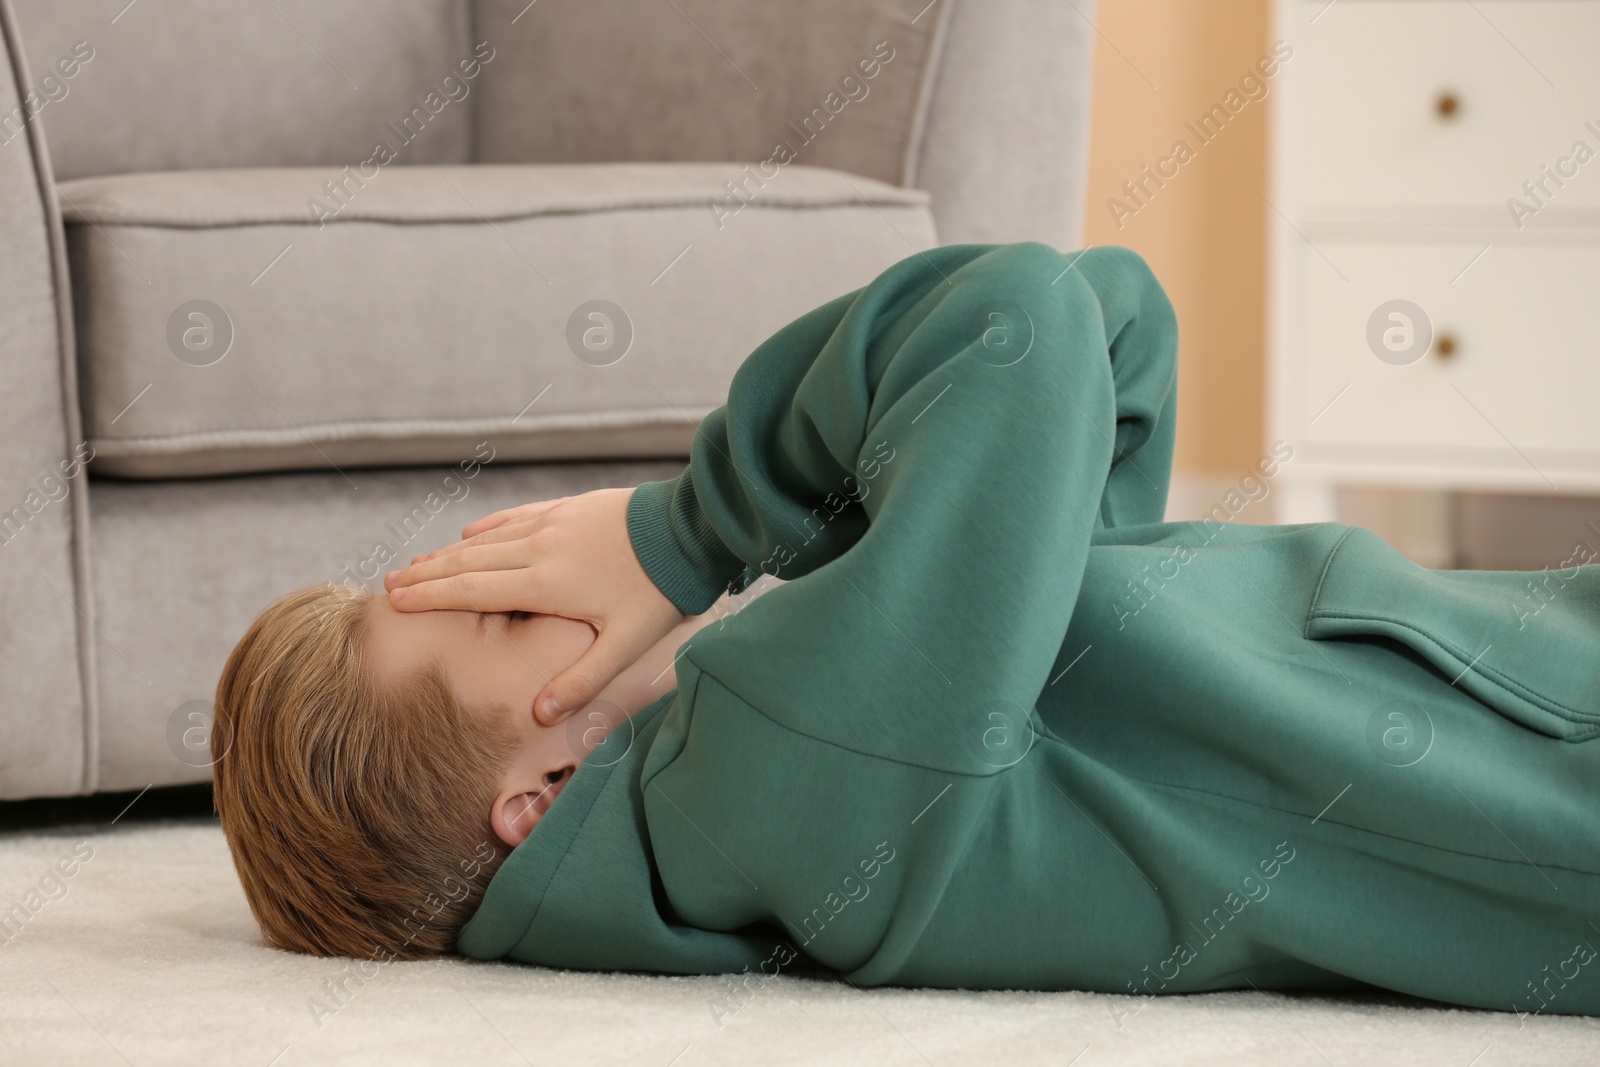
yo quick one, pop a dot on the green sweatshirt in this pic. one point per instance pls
(1003, 727)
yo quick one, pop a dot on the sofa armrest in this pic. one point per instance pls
(985, 103)
(46, 703)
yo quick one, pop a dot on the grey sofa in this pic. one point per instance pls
(291, 289)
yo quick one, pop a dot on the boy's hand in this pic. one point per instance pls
(570, 556)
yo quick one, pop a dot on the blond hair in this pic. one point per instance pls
(357, 813)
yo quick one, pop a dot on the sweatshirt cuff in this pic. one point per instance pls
(679, 548)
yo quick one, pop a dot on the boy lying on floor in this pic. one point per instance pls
(1001, 726)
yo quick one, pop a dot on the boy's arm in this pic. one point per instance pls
(930, 454)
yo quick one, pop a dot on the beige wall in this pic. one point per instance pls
(1158, 65)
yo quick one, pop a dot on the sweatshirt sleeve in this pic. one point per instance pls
(923, 461)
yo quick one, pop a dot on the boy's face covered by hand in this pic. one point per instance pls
(497, 663)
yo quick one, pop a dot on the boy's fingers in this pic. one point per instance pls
(508, 531)
(498, 590)
(489, 556)
(488, 522)
(501, 517)
(580, 683)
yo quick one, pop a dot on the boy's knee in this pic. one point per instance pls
(1126, 286)
(1016, 287)
(1129, 268)
(1029, 274)
(1106, 267)
(1032, 260)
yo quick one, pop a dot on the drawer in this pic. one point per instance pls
(1521, 390)
(1366, 79)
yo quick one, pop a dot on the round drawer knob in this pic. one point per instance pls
(1445, 345)
(1447, 104)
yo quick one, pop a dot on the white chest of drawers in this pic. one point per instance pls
(1443, 153)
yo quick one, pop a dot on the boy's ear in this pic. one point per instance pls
(514, 815)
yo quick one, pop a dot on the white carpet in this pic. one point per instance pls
(152, 957)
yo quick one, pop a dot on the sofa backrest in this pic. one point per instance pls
(830, 83)
(186, 84)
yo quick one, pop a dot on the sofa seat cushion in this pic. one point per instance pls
(244, 320)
